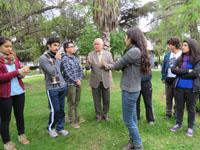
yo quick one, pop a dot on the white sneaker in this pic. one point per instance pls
(63, 132)
(53, 133)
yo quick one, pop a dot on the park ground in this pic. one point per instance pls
(101, 135)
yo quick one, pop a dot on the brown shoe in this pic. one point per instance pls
(9, 146)
(23, 139)
(81, 120)
(75, 125)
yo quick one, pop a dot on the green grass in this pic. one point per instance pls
(104, 135)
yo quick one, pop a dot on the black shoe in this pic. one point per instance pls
(98, 118)
(168, 117)
(106, 117)
(129, 146)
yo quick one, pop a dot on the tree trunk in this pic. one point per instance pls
(194, 30)
(106, 40)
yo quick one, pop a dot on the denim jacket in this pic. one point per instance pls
(165, 66)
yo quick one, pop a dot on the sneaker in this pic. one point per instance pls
(151, 122)
(63, 132)
(129, 146)
(175, 128)
(53, 133)
(9, 146)
(23, 139)
(138, 148)
(75, 125)
(189, 132)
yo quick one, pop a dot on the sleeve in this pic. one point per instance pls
(179, 71)
(46, 66)
(163, 68)
(4, 77)
(88, 65)
(67, 70)
(131, 57)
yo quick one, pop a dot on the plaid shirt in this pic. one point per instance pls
(71, 69)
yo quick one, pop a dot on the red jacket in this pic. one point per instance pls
(5, 78)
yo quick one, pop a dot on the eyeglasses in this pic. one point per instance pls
(71, 46)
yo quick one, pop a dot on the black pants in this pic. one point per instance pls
(6, 104)
(169, 92)
(146, 92)
(183, 96)
(98, 94)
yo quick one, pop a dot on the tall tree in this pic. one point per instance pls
(106, 16)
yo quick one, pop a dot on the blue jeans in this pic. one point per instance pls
(129, 100)
(56, 106)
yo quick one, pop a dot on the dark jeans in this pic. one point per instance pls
(98, 94)
(146, 92)
(169, 92)
(183, 96)
(56, 106)
(73, 99)
(6, 104)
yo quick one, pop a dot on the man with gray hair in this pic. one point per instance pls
(100, 79)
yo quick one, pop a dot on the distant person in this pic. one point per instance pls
(100, 80)
(168, 77)
(12, 93)
(187, 70)
(72, 73)
(134, 61)
(55, 87)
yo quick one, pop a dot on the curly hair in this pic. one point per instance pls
(137, 38)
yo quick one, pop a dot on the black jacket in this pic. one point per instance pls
(185, 74)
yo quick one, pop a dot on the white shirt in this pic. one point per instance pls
(172, 60)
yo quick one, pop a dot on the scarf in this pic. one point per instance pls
(8, 59)
(186, 61)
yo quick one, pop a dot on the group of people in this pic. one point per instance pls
(181, 76)
(63, 76)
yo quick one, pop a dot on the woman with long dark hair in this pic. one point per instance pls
(134, 62)
(187, 70)
(11, 93)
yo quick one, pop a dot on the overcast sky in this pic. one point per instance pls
(145, 20)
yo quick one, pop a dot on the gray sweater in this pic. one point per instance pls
(130, 64)
(51, 70)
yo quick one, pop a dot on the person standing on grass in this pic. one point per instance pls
(55, 87)
(12, 93)
(72, 74)
(187, 87)
(100, 80)
(168, 77)
(146, 92)
(134, 61)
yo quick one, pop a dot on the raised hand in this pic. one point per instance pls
(58, 55)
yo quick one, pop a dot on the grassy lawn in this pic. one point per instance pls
(103, 135)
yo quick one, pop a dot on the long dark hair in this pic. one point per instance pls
(137, 38)
(194, 51)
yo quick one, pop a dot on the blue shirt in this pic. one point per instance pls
(16, 89)
(71, 69)
(185, 83)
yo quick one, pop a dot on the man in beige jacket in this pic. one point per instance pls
(100, 80)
